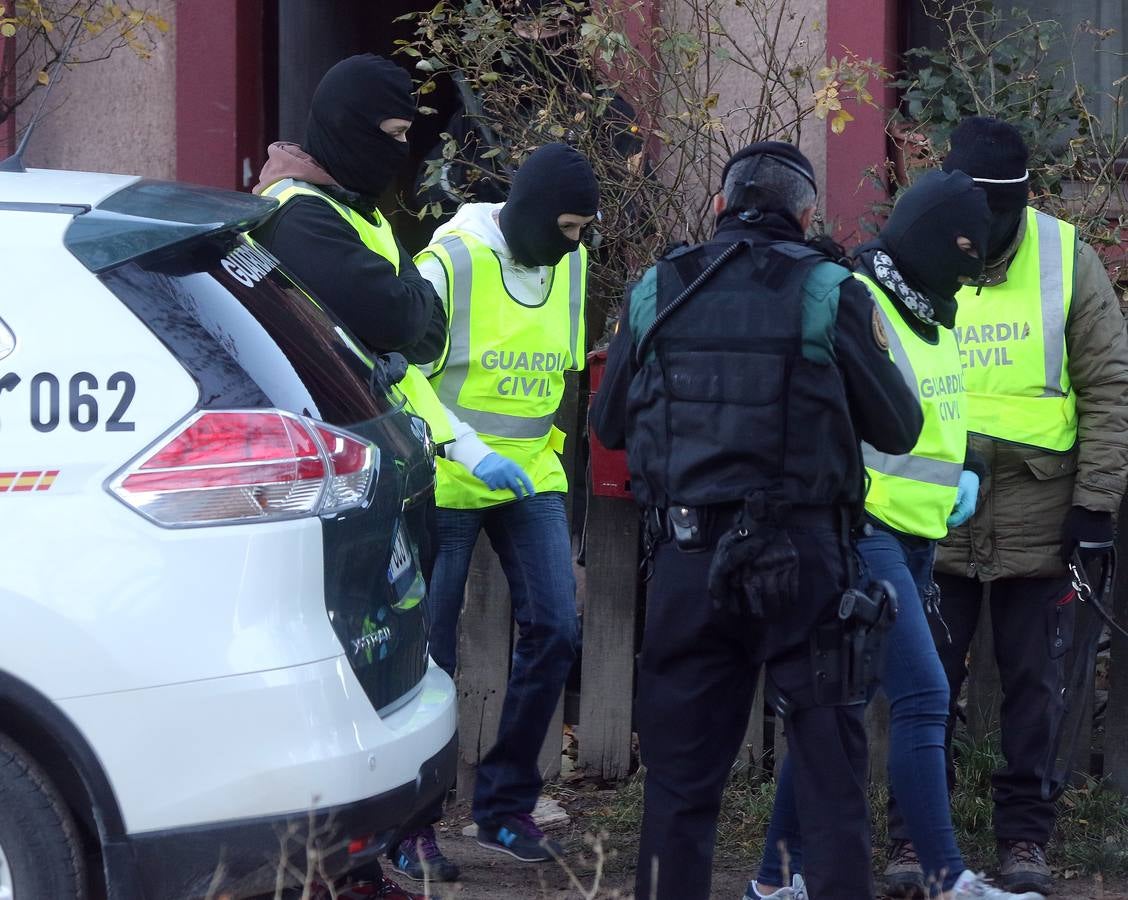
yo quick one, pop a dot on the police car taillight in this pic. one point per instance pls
(249, 465)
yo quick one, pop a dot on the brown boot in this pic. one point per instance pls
(903, 877)
(1023, 867)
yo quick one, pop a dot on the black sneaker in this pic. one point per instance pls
(903, 877)
(418, 857)
(520, 838)
(1023, 867)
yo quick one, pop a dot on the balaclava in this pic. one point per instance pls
(343, 132)
(919, 243)
(993, 153)
(554, 180)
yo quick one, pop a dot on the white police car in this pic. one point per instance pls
(212, 635)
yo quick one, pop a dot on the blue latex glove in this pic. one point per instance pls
(498, 473)
(967, 495)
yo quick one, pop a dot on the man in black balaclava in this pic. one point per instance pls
(917, 257)
(346, 129)
(514, 278)
(1046, 373)
(553, 181)
(355, 145)
(328, 233)
(994, 154)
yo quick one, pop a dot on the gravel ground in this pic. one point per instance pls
(488, 875)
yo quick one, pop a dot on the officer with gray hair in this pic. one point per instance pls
(743, 376)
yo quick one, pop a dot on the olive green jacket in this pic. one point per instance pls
(1016, 530)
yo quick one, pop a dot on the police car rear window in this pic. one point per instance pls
(248, 334)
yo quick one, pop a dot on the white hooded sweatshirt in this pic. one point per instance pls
(528, 286)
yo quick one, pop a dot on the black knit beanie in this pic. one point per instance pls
(555, 179)
(786, 154)
(993, 153)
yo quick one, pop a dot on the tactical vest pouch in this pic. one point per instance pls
(755, 568)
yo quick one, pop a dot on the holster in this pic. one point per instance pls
(847, 652)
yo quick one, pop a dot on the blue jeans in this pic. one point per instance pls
(917, 688)
(532, 542)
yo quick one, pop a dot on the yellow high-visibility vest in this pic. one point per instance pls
(378, 237)
(1012, 343)
(915, 492)
(503, 369)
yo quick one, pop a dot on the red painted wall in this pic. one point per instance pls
(868, 28)
(8, 126)
(219, 91)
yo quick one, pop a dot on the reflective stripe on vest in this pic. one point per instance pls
(915, 492)
(379, 238)
(1012, 343)
(503, 370)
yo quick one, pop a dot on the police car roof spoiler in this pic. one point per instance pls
(148, 216)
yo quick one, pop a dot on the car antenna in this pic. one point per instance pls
(14, 163)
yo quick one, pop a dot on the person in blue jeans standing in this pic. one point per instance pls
(513, 279)
(933, 243)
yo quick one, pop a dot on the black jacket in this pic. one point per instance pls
(385, 310)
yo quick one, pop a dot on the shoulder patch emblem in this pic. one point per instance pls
(879, 336)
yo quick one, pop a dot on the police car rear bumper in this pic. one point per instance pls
(242, 858)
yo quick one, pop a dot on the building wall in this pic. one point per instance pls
(868, 29)
(115, 115)
(824, 29)
(744, 26)
(805, 23)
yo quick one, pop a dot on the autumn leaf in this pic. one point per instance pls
(838, 123)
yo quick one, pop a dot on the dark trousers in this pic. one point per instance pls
(1032, 624)
(696, 680)
(913, 680)
(534, 547)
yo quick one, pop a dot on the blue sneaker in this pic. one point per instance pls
(419, 858)
(520, 838)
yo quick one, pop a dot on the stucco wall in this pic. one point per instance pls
(804, 20)
(738, 88)
(115, 115)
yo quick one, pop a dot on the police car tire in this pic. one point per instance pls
(37, 832)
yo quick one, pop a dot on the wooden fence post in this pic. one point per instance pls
(779, 747)
(484, 649)
(607, 675)
(751, 759)
(877, 736)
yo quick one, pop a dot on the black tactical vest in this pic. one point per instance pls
(738, 390)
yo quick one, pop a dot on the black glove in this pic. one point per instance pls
(736, 554)
(772, 584)
(1084, 526)
(755, 569)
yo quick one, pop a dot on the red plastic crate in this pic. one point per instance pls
(610, 476)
